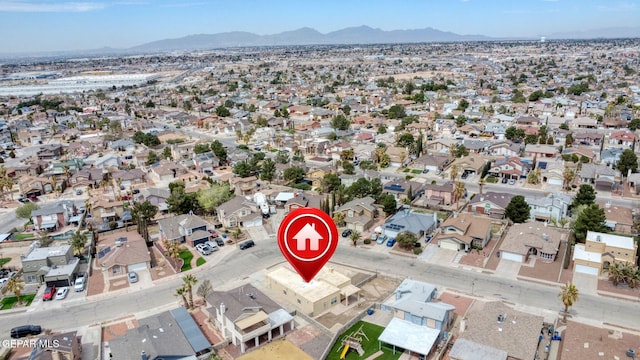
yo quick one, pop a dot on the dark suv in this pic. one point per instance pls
(247, 244)
(25, 330)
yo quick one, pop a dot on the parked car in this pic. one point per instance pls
(203, 249)
(3, 282)
(212, 245)
(374, 236)
(427, 238)
(78, 192)
(49, 293)
(391, 242)
(512, 182)
(504, 180)
(381, 239)
(133, 277)
(25, 330)
(62, 293)
(79, 284)
(219, 241)
(346, 233)
(247, 244)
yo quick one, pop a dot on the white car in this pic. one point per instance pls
(212, 245)
(62, 293)
(203, 249)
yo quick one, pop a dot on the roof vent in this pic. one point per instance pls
(545, 237)
(598, 238)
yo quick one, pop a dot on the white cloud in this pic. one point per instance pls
(44, 6)
(614, 7)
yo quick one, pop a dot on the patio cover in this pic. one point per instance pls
(409, 336)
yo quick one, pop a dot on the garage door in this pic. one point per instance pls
(58, 283)
(449, 245)
(137, 267)
(511, 256)
(554, 181)
(587, 269)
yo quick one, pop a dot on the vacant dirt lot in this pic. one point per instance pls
(280, 349)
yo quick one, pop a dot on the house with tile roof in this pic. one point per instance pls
(183, 228)
(491, 204)
(526, 240)
(464, 232)
(359, 214)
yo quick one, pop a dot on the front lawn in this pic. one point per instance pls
(406, 170)
(4, 261)
(186, 255)
(201, 261)
(22, 236)
(370, 347)
(416, 171)
(9, 301)
(491, 179)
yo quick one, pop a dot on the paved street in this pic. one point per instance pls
(241, 266)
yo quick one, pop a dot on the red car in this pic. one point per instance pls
(49, 293)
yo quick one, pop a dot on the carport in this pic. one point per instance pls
(416, 339)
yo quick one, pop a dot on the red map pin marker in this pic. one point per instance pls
(307, 237)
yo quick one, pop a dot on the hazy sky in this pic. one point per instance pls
(45, 25)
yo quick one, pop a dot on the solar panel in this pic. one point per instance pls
(104, 252)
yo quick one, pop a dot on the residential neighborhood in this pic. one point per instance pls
(478, 199)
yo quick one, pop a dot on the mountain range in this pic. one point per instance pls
(308, 36)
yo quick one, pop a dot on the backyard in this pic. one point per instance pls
(370, 346)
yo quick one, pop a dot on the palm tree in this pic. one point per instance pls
(338, 218)
(567, 176)
(67, 173)
(15, 285)
(182, 292)
(569, 295)
(355, 236)
(172, 250)
(481, 183)
(78, 242)
(455, 169)
(236, 234)
(563, 221)
(142, 213)
(616, 272)
(189, 282)
(459, 190)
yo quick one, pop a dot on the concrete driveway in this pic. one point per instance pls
(586, 284)
(508, 269)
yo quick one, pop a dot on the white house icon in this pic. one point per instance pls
(308, 232)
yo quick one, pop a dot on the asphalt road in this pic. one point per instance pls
(238, 266)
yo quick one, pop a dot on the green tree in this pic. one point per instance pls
(211, 198)
(330, 182)
(297, 156)
(282, 157)
(628, 162)
(152, 158)
(389, 204)
(242, 169)
(382, 129)
(590, 218)
(586, 196)
(201, 148)
(222, 111)
(268, 170)
(24, 211)
(166, 153)
(346, 110)
(568, 295)
(634, 124)
(294, 174)
(405, 139)
(78, 242)
(219, 150)
(518, 210)
(348, 168)
(396, 112)
(513, 133)
(142, 213)
(340, 122)
(179, 202)
(406, 240)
